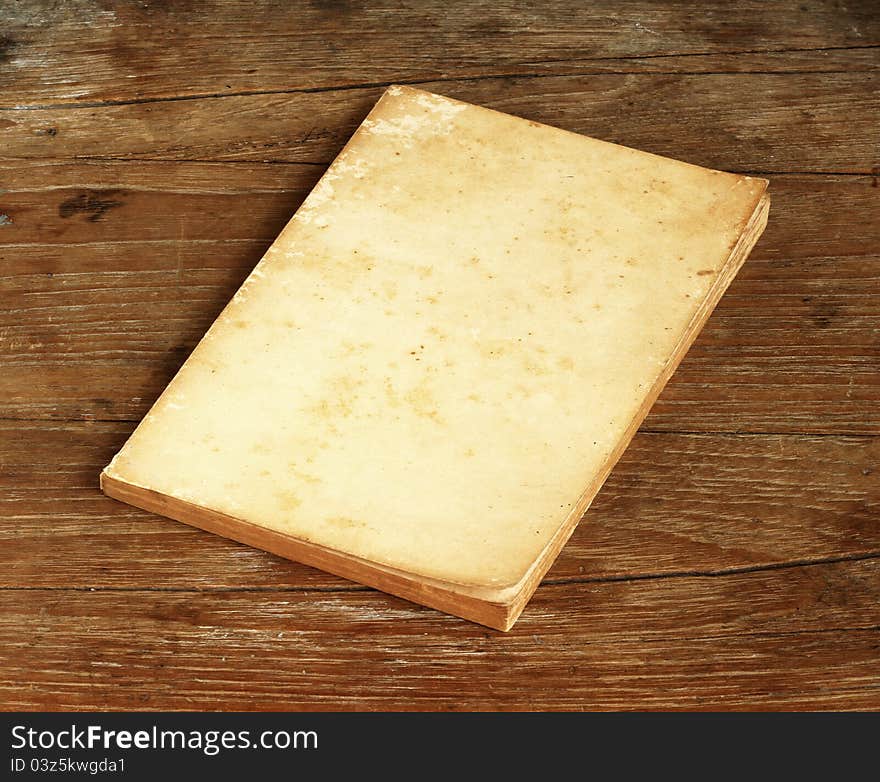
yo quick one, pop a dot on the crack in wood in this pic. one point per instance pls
(471, 78)
(719, 573)
(548, 582)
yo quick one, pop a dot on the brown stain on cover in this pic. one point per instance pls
(423, 402)
(345, 522)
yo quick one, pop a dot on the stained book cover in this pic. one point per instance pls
(425, 380)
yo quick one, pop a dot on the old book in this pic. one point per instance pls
(427, 378)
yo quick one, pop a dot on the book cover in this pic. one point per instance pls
(426, 379)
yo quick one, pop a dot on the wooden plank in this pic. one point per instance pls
(762, 122)
(67, 203)
(89, 51)
(674, 504)
(686, 643)
(96, 315)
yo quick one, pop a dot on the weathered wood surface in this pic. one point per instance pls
(807, 640)
(149, 153)
(746, 122)
(84, 50)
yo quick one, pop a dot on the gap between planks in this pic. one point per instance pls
(655, 432)
(478, 77)
(733, 53)
(874, 171)
(550, 582)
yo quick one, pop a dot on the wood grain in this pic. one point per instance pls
(674, 504)
(803, 638)
(757, 122)
(690, 587)
(96, 315)
(92, 51)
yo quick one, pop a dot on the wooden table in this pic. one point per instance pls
(151, 152)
